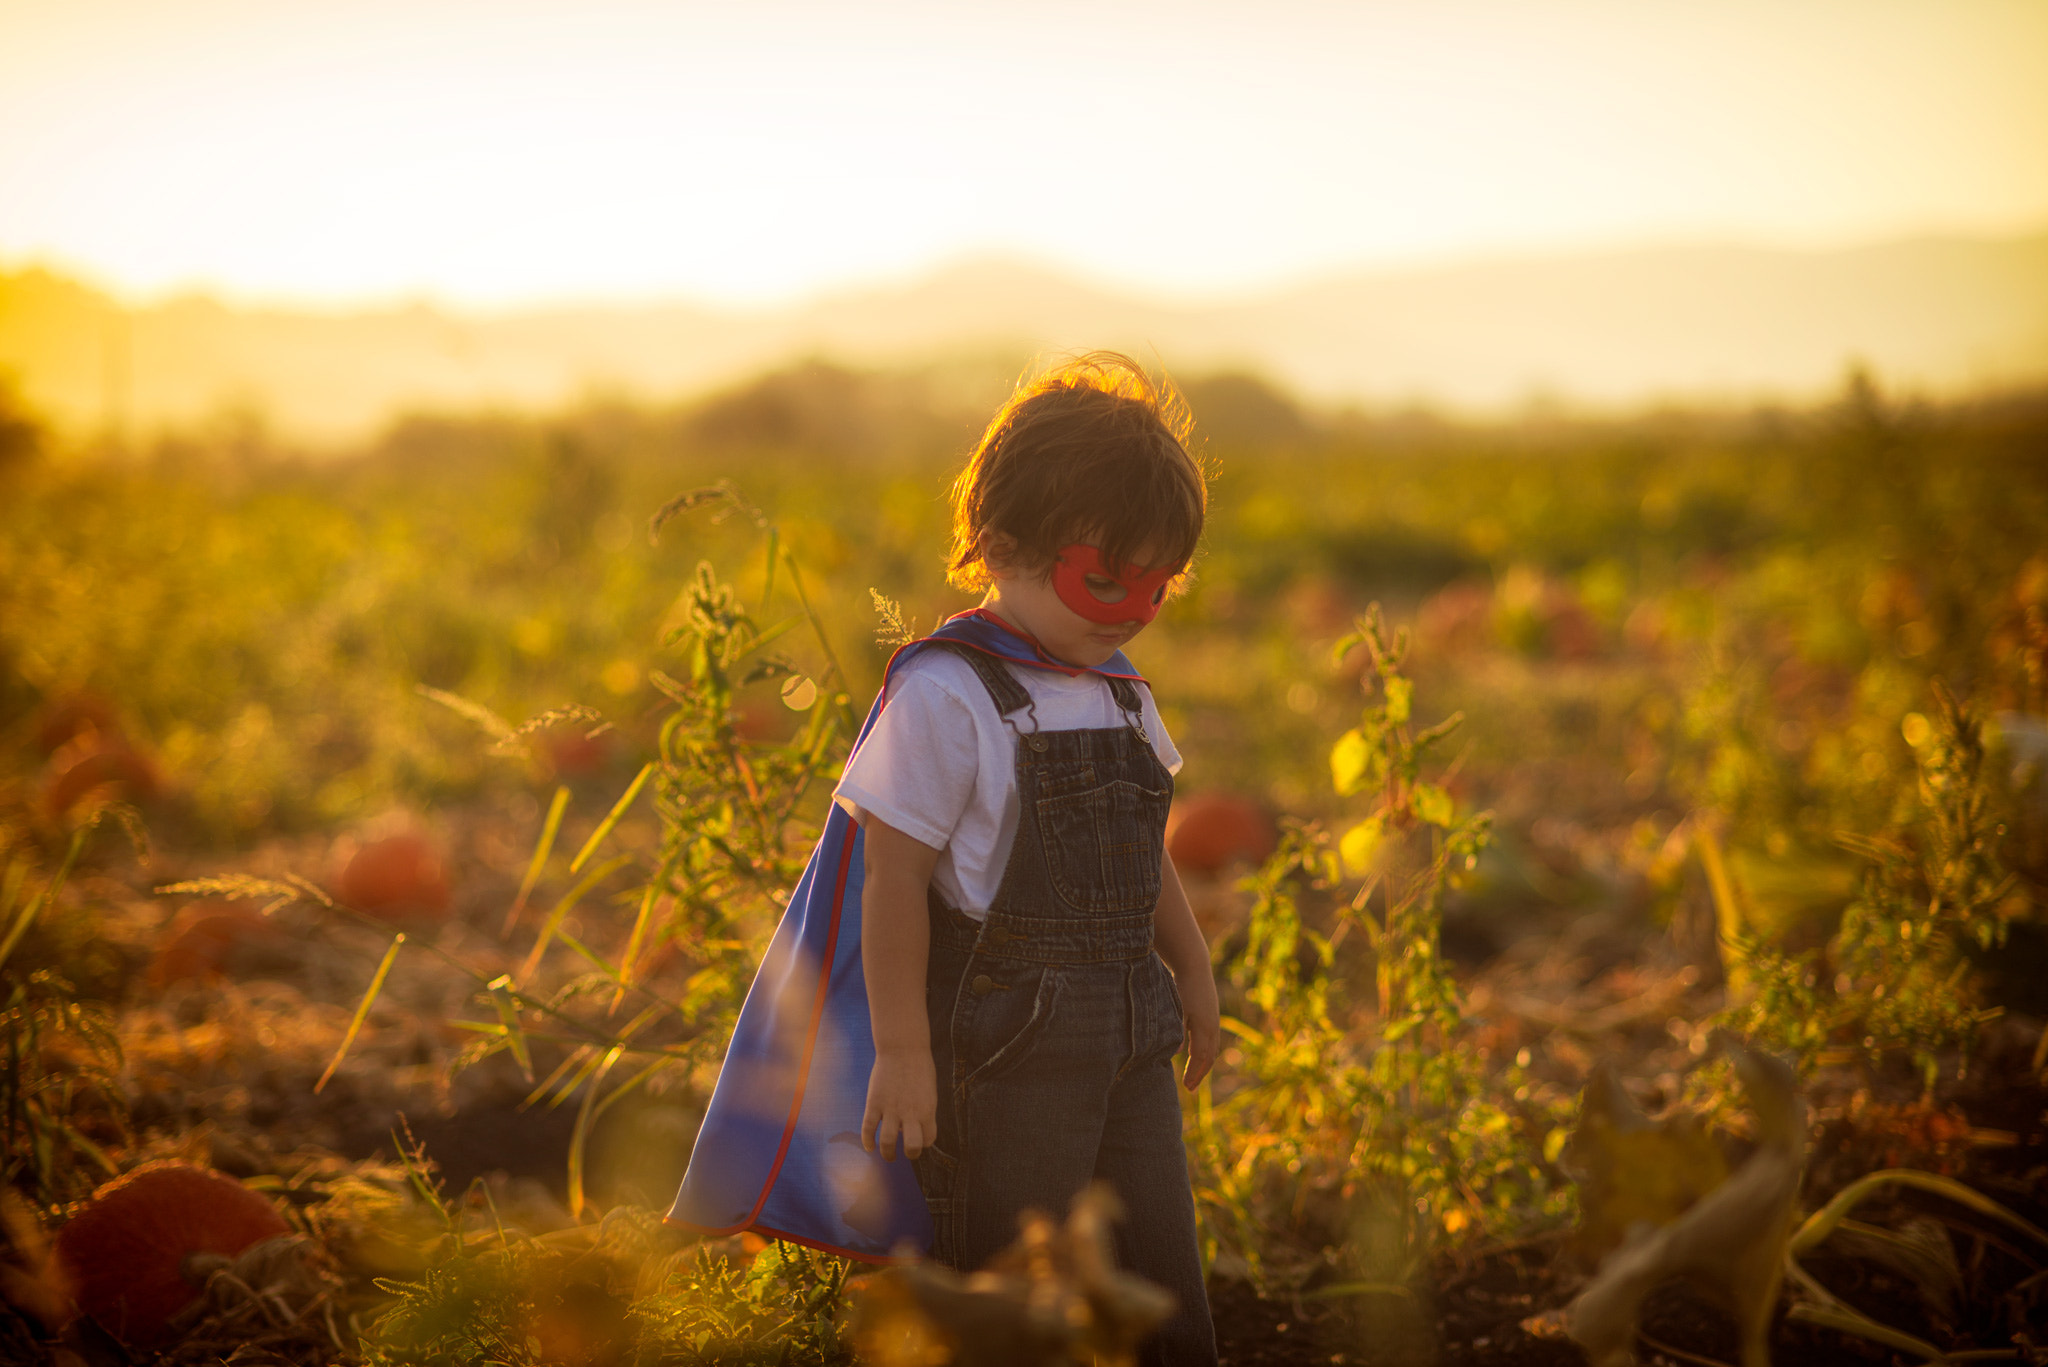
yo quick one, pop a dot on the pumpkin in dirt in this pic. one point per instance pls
(1208, 833)
(204, 939)
(64, 719)
(575, 751)
(400, 876)
(96, 763)
(125, 1253)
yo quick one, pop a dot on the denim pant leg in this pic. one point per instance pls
(1022, 1084)
(1032, 1110)
(1085, 1093)
(1144, 1159)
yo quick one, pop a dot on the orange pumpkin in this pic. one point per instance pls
(573, 751)
(202, 938)
(124, 1253)
(98, 763)
(1208, 833)
(66, 718)
(398, 877)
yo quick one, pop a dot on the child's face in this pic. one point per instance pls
(1031, 600)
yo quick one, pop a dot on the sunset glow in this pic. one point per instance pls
(498, 154)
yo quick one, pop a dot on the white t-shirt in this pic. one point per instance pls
(940, 765)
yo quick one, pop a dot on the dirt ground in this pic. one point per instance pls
(234, 1060)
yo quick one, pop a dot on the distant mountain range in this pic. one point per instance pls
(1617, 329)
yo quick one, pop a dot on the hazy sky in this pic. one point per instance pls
(501, 152)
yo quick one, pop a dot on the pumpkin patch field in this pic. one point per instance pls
(1623, 844)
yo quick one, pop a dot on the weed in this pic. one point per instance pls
(622, 1290)
(61, 1100)
(1894, 980)
(1362, 1126)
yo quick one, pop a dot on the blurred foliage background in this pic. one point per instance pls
(1753, 698)
(1733, 609)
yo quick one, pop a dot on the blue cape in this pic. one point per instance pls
(779, 1152)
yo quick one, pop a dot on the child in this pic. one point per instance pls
(1029, 962)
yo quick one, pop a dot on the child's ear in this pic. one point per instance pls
(999, 553)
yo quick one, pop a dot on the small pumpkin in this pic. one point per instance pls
(1211, 831)
(575, 752)
(126, 1253)
(203, 939)
(97, 763)
(67, 717)
(400, 877)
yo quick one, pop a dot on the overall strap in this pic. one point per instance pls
(1003, 689)
(1125, 691)
(1010, 696)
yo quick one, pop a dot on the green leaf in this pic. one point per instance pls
(1433, 804)
(507, 1007)
(551, 927)
(363, 1009)
(1430, 735)
(612, 818)
(549, 830)
(1825, 1221)
(1400, 699)
(630, 959)
(43, 899)
(1358, 846)
(580, 1136)
(1397, 1029)
(774, 633)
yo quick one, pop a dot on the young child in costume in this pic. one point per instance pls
(989, 964)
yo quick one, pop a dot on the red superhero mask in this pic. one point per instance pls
(1132, 596)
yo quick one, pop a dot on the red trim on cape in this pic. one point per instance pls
(875, 1259)
(872, 1259)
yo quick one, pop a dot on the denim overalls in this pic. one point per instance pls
(1054, 1024)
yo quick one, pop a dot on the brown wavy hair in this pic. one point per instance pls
(1091, 450)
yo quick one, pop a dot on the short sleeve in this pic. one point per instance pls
(1155, 727)
(916, 770)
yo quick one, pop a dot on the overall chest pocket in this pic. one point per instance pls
(1102, 845)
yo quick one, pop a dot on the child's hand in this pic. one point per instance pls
(1179, 941)
(1205, 1028)
(903, 1099)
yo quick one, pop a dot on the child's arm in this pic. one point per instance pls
(895, 943)
(1179, 941)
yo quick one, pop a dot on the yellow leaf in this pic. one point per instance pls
(1350, 759)
(507, 1007)
(1731, 1240)
(1634, 1171)
(1358, 846)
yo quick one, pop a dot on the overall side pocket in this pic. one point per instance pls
(1002, 1012)
(1158, 1021)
